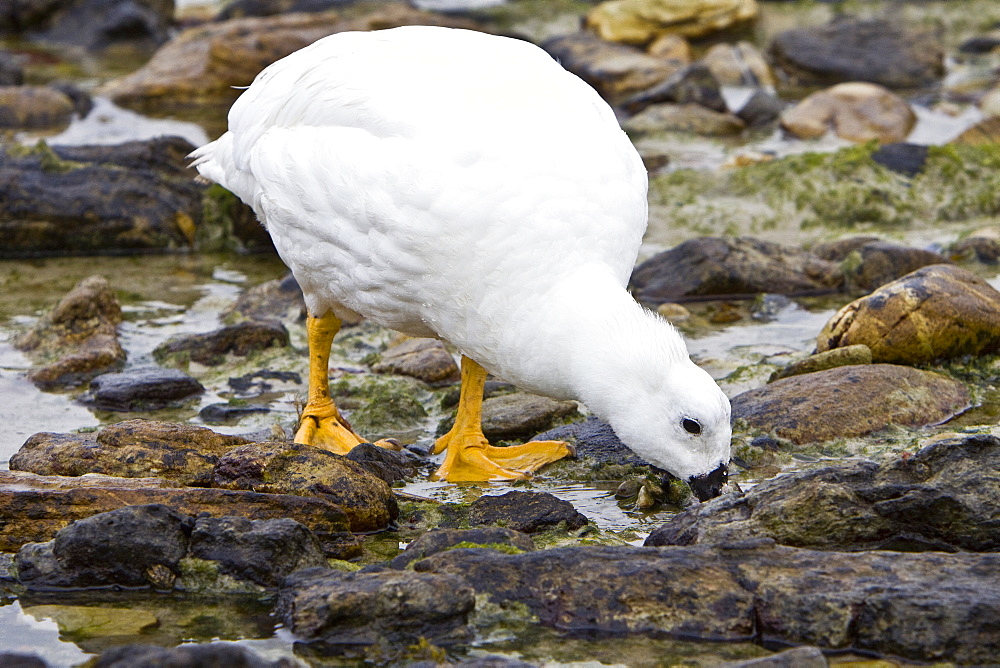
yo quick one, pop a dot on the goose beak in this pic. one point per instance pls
(710, 485)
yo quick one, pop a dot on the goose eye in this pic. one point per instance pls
(691, 426)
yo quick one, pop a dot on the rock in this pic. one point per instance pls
(716, 266)
(188, 654)
(394, 607)
(52, 207)
(846, 356)
(941, 499)
(92, 24)
(529, 512)
(261, 551)
(389, 465)
(242, 8)
(989, 103)
(424, 359)
(615, 71)
(870, 263)
(201, 65)
(878, 51)
(642, 21)
(19, 660)
(849, 401)
(517, 415)
(902, 158)
(24, 107)
(292, 468)
(78, 339)
(797, 657)
(256, 383)
(982, 245)
(937, 312)
(740, 64)
(222, 413)
(36, 507)
(855, 111)
(922, 607)
(11, 73)
(593, 439)
(671, 47)
(184, 453)
(142, 389)
(761, 109)
(390, 410)
(280, 299)
(439, 540)
(693, 84)
(124, 547)
(688, 118)
(983, 132)
(211, 349)
(980, 44)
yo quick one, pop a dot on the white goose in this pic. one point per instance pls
(450, 183)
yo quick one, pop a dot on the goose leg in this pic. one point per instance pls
(321, 424)
(470, 457)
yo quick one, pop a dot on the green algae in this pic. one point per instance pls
(202, 576)
(499, 547)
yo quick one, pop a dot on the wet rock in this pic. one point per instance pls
(23, 107)
(937, 312)
(902, 158)
(222, 413)
(92, 24)
(292, 468)
(350, 609)
(20, 660)
(124, 547)
(439, 540)
(693, 84)
(761, 109)
(594, 439)
(878, 51)
(261, 551)
(846, 356)
(78, 339)
(850, 401)
(740, 64)
(520, 414)
(982, 245)
(52, 207)
(980, 44)
(201, 65)
(388, 465)
(942, 498)
(211, 349)
(925, 607)
(243, 8)
(870, 263)
(35, 507)
(797, 657)
(424, 359)
(142, 389)
(184, 453)
(855, 111)
(687, 118)
(716, 266)
(529, 512)
(642, 21)
(280, 299)
(615, 71)
(212, 654)
(390, 410)
(255, 383)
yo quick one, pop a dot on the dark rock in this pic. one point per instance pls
(280, 299)
(11, 73)
(529, 512)
(123, 547)
(211, 349)
(18, 660)
(982, 246)
(922, 607)
(616, 71)
(78, 339)
(396, 607)
(956, 313)
(242, 8)
(717, 267)
(92, 24)
(424, 359)
(880, 51)
(261, 551)
(761, 109)
(143, 389)
(693, 84)
(256, 383)
(291, 468)
(221, 413)
(388, 465)
(83, 104)
(980, 44)
(35, 507)
(942, 498)
(184, 453)
(594, 439)
(902, 158)
(25, 107)
(212, 655)
(870, 263)
(439, 540)
(850, 401)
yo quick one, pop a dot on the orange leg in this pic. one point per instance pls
(470, 457)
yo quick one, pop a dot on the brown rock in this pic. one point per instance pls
(846, 356)
(688, 118)
(211, 348)
(521, 414)
(34, 107)
(936, 312)
(740, 64)
(280, 299)
(855, 111)
(425, 359)
(851, 401)
(642, 21)
(671, 47)
(35, 507)
(983, 132)
(869, 263)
